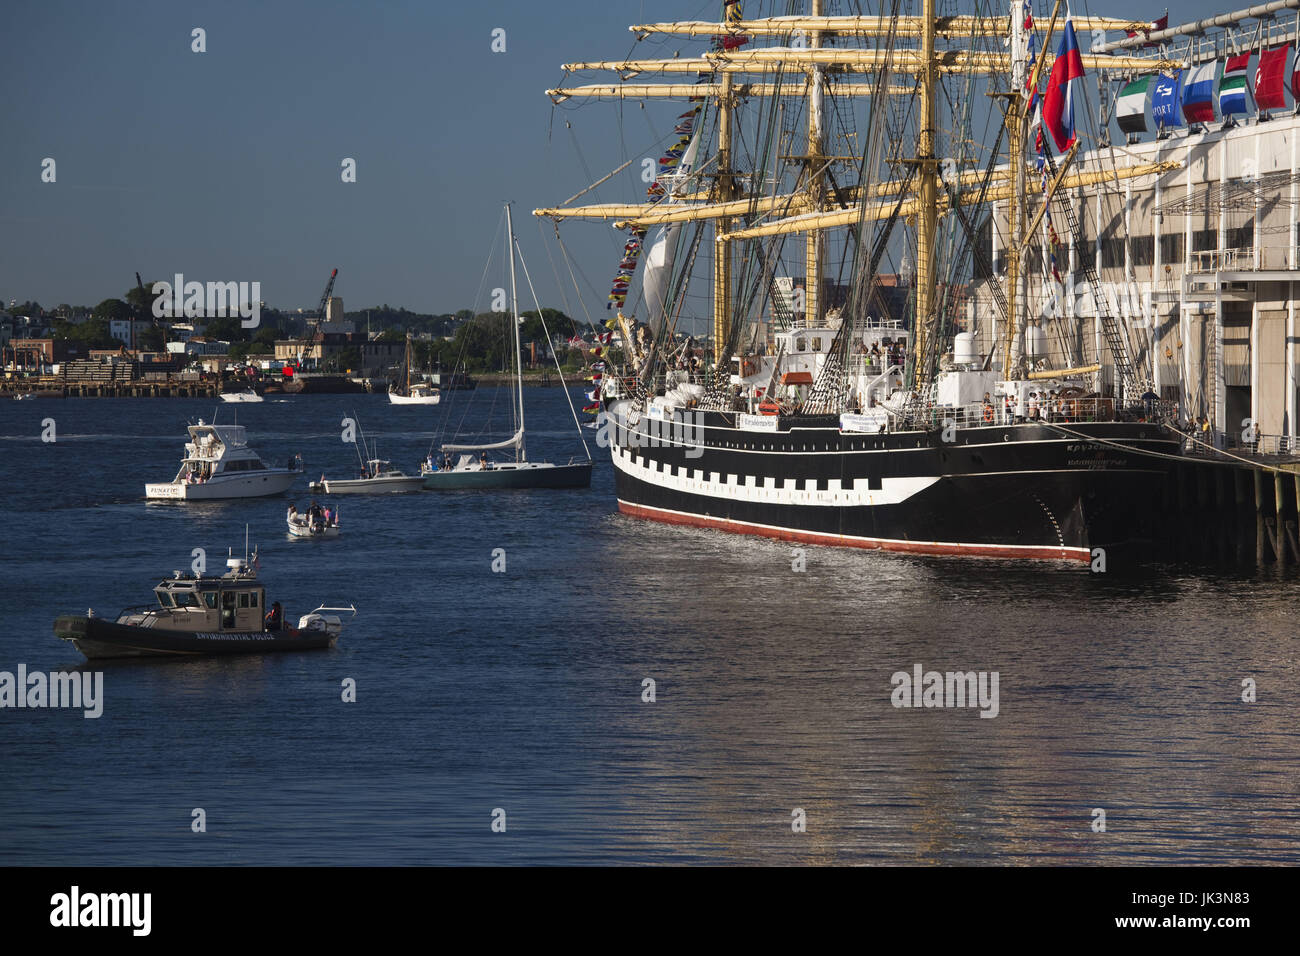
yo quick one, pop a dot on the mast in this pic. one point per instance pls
(927, 219)
(813, 245)
(742, 213)
(1015, 159)
(722, 249)
(520, 453)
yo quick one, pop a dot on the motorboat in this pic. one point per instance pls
(200, 615)
(219, 464)
(315, 522)
(378, 477)
(248, 395)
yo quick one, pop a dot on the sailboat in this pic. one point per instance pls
(834, 412)
(472, 468)
(420, 393)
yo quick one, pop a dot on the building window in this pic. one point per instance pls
(1143, 250)
(1171, 248)
(1240, 237)
(1112, 253)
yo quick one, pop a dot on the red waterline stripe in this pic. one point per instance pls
(1043, 552)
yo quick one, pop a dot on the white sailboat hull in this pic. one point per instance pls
(396, 399)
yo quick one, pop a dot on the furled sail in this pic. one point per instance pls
(663, 250)
(512, 442)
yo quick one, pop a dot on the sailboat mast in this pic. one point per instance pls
(721, 249)
(927, 216)
(813, 244)
(520, 453)
(1015, 158)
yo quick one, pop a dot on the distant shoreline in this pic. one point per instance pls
(46, 388)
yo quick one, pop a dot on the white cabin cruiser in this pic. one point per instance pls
(247, 395)
(219, 464)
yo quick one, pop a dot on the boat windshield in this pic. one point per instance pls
(164, 598)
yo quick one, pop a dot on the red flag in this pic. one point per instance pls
(1270, 78)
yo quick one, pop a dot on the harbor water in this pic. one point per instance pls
(507, 645)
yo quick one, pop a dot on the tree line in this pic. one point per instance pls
(477, 342)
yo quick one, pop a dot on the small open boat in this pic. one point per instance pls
(315, 522)
(201, 615)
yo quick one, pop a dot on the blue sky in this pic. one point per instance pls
(225, 165)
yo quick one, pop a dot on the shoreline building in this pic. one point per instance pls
(1198, 258)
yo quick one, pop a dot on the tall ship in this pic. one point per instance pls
(880, 295)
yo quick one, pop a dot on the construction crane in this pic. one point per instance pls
(136, 313)
(313, 324)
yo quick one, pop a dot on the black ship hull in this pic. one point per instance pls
(1042, 491)
(98, 638)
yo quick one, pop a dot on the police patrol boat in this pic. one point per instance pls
(200, 615)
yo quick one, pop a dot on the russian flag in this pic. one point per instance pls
(1058, 100)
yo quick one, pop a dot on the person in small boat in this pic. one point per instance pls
(293, 513)
(328, 517)
(275, 617)
(483, 462)
(315, 515)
